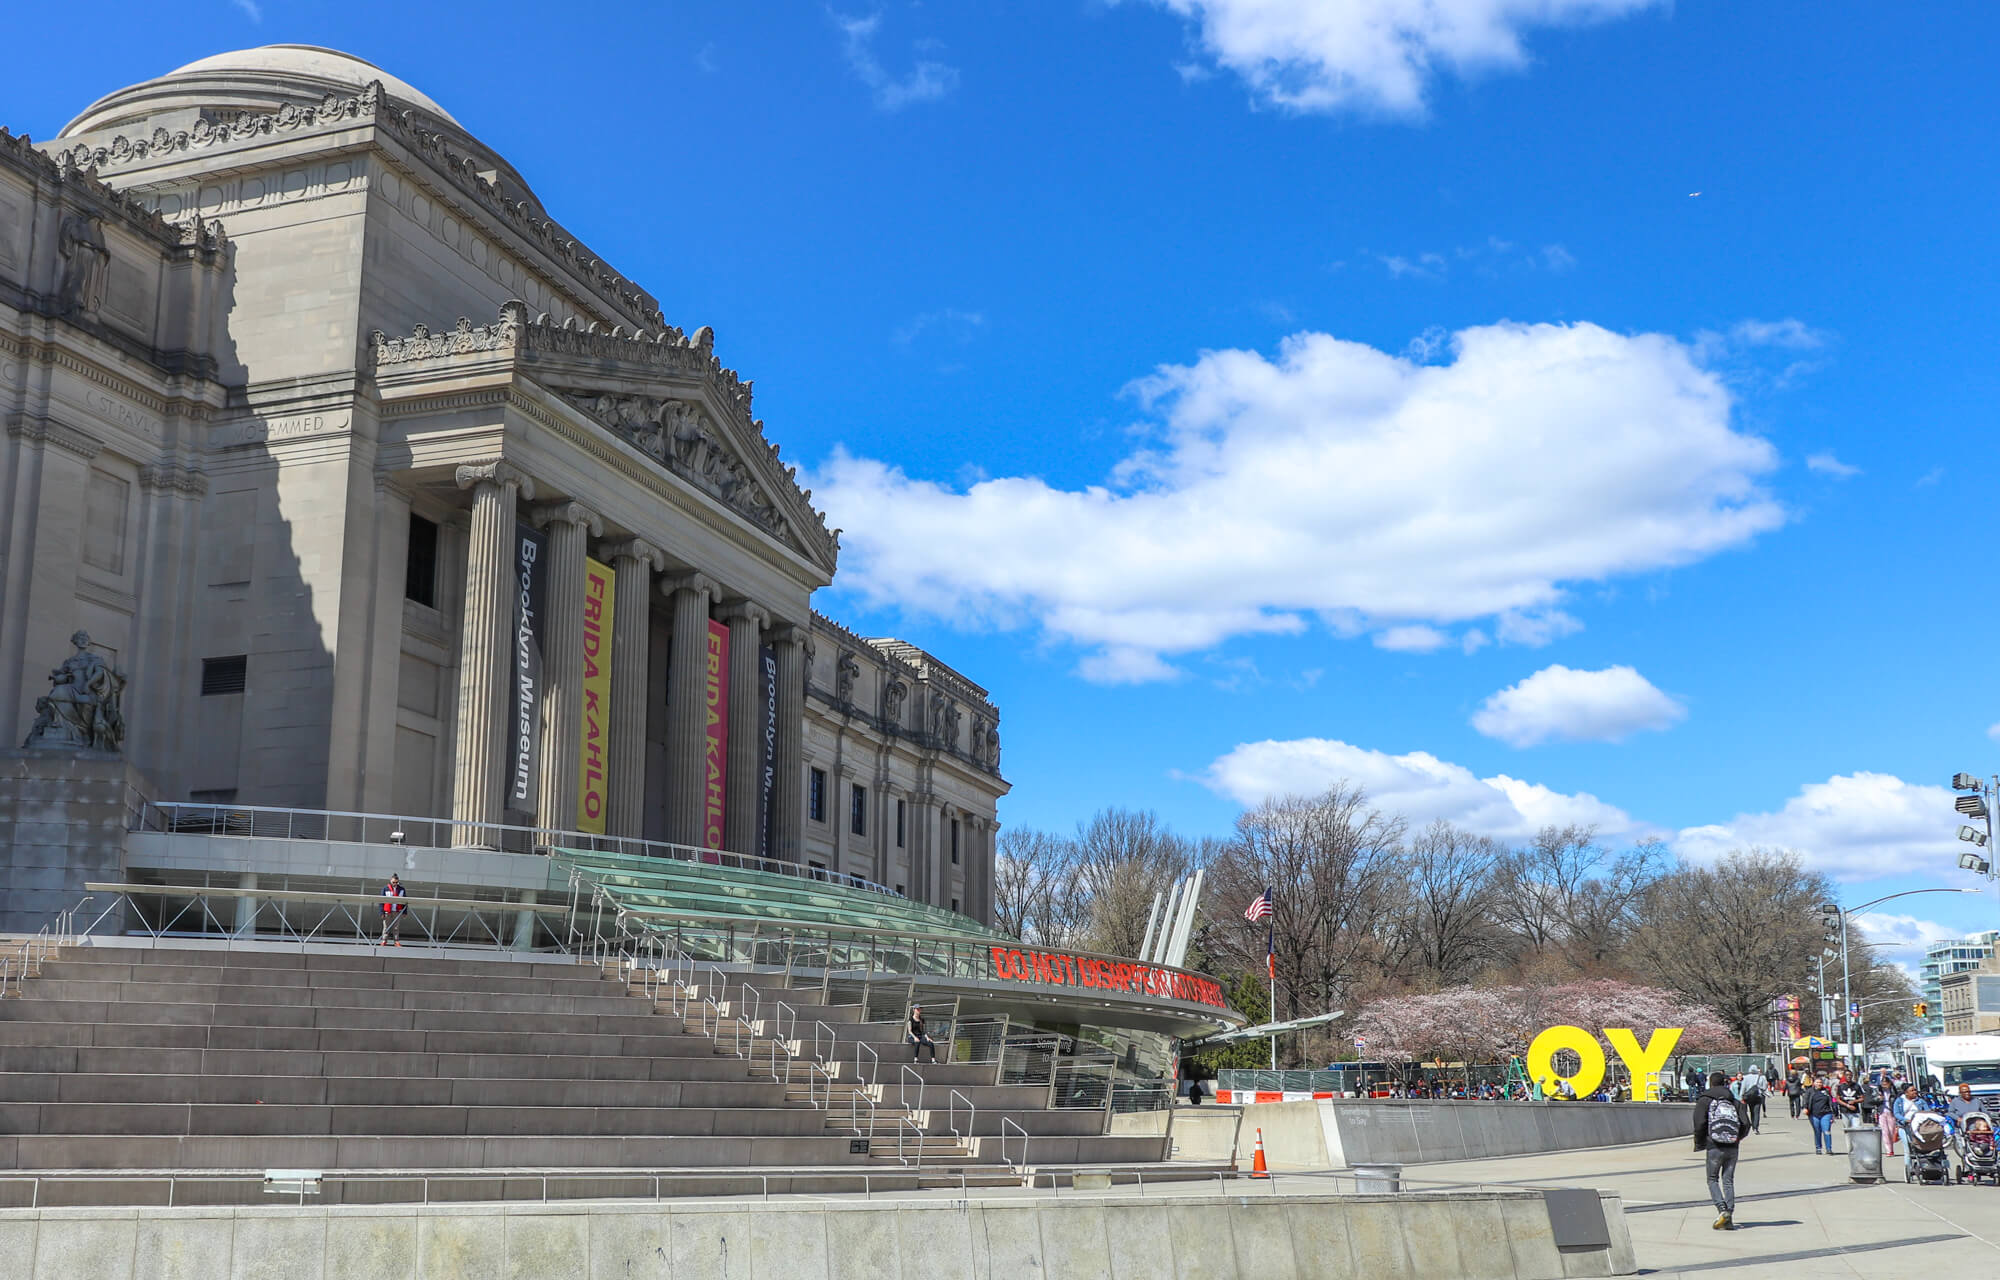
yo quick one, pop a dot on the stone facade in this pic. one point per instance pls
(281, 485)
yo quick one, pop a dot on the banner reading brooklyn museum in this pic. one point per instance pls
(715, 701)
(600, 599)
(767, 664)
(525, 719)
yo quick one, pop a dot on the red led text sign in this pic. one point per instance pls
(1060, 969)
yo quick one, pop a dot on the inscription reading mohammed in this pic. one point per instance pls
(309, 424)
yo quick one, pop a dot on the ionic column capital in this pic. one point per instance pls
(690, 581)
(496, 471)
(784, 633)
(567, 511)
(635, 549)
(741, 609)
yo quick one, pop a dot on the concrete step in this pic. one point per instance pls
(578, 981)
(31, 1008)
(352, 959)
(202, 1151)
(224, 996)
(364, 1064)
(388, 1091)
(103, 1119)
(334, 1038)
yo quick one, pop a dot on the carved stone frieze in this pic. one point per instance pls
(679, 434)
(204, 133)
(463, 338)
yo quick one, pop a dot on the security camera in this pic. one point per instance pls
(396, 837)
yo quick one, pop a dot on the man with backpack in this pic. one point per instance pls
(1719, 1124)
(1752, 1094)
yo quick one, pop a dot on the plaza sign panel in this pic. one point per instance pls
(1642, 1063)
(600, 597)
(715, 702)
(1064, 969)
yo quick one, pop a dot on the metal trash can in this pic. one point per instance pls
(1864, 1154)
(1378, 1179)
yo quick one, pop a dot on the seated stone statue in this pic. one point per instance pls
(81, 709)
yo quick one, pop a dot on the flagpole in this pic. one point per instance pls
(1271, 970)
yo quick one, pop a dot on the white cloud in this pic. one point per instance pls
(1828, 465)
(1373, 55)
(251, 9)
(927, 81)
(1853, 826)
(1576, 706)
(1336, 481)
(1993, 731)
(1792, 335)
(1419, 786)
(957, 325)
(1414, 638)
(1904, 937)
(1556, 258)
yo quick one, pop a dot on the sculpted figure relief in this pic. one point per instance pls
(893, 694)
(845, 673)
(86, 263)
(82, 709)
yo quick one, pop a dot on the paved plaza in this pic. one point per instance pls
(1798, 1213)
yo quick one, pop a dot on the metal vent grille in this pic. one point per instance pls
(224, 675)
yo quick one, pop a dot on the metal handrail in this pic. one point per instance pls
(786, 1020)
(903, 1079)
(242, 820)
(347, 907)
(824, 1035)
(1006, 1123)
(874, 1063)
(908, 1124)
(951, 1116)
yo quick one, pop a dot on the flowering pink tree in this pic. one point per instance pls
(1469, 1024)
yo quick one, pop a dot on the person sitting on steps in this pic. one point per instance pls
(919, 1038)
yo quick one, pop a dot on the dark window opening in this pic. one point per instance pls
(224, 675)
(420, 562)
(899, 891)
(857, 820)
(899, 823)
(954, 904)
(816, 796)
(954, 839)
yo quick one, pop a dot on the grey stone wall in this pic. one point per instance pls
(62, 822)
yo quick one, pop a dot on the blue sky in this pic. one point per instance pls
(1254, 403)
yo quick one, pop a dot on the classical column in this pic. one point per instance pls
(635, 562)
(788, 801)
(482, 645)
(570, 526)
(687, 725)
(746, 725)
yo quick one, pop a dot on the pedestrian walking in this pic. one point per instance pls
(1752, 1094)
(1819, 1111)
(1720, 1121)
(1795, 1093)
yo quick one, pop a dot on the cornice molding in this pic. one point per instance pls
(46, 431)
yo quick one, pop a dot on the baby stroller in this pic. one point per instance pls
(1929, 1137)
(1978, 1153)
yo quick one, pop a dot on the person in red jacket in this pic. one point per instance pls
(392, 911)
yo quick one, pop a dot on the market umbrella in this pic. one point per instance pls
(1811, 1042)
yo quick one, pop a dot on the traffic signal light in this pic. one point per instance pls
(1921, 1008)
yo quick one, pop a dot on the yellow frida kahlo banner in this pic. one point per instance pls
(600, 594)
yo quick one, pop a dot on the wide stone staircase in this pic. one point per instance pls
(137, 1075)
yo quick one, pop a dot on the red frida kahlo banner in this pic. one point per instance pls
(715, 700)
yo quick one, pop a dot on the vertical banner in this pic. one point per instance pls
(524, 719)
(767, 786)
(600, 597)
(715, 701)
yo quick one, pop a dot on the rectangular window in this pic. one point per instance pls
(420, 562)
(954, 904)
(899, 891)
(954, 839)
(857, 820)
(224, 675)
(104, 503)
(899, 823)
(816, 796)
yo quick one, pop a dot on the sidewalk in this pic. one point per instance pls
(1798, 1213)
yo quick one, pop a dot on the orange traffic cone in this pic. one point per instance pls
(1258, 1169)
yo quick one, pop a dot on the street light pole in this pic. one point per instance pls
(1856, 1045)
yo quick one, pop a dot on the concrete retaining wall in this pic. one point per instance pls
(1338, 1134)
(1493, 1236)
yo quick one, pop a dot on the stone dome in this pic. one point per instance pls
(262, 79)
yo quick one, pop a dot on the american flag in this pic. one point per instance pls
(1260, 909)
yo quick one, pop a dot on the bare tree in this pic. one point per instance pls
(1333, 861)
(1035, 895)
(1566, 893)
(1448, 927)
(1733, 935)
(1123, 858)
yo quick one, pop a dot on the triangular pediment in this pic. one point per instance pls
(667, 395)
